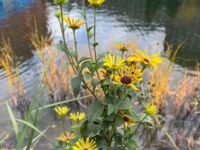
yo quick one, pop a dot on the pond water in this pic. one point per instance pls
(149, 23)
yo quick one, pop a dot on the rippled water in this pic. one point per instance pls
(149, 23)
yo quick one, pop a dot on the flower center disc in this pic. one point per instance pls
(125, 80)
(146, 60)
(126, 119)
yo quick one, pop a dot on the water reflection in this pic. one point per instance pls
(7, 6)
(180, 19)
(17, 19)
(174, 20)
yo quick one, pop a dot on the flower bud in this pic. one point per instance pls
(61, 2)
(58, 14)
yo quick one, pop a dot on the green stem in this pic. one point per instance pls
(124, 138)
(94, 44)
(63, 124)
(86, 24)
(75, 45)
(122, 54)
(64, 39)
(86, 85)
(112, 131)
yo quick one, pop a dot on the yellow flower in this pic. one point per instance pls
(96, 3)
(73, 23)
(151, 109)
(66, 137)
(128, 121)
(123, 47)
(61, 111)
(77, 116)
(128, 76)
(113, 62)
(85, 145)
(144, 59)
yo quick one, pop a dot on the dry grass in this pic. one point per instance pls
(160, 79)
(55, 65)
(187, 89)
(16, 87)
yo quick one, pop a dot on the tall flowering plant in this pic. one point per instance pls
(111, 121)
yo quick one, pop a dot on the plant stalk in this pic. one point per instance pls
(86, 24)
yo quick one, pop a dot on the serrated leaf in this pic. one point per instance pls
(76, 85)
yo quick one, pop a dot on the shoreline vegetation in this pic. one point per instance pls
(128, 101)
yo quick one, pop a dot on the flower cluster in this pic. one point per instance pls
(129, 71)
(66, 138)
(118, 77)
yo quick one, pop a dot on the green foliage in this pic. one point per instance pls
(76, 85)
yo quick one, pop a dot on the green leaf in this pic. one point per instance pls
(13, 120)
(84, 129)
(95, 44)
(91, 66)
(111, 109)
(29, 124)
(101, 142)
(145, 118)
(119, 121)
(75, 127)
(76, 85)
(61, 103)
(131, 144)
(118, 139)
(125, 104)
(99, 65)
(61, 47)
(72, 53)
(84, 64)
(95, 110)
(89, 29)
(88, 75)
(83, 59)
(38, 137)
(90, 35)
